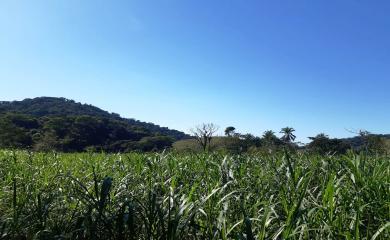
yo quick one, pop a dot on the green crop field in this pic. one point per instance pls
(189, 196)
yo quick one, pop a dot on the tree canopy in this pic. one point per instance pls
(64, 125)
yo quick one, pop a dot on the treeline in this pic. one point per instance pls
(48, 123)
(234, 142)
(60, 124)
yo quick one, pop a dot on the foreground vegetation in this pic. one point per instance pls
(189, 196)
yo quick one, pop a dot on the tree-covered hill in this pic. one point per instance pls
(47, 123)
(358, 141)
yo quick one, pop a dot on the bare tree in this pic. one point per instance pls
(204, 133)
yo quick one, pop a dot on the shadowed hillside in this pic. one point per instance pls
(61, 124)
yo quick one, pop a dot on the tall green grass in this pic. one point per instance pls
(184, 196)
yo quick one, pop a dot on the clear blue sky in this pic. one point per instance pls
(318, 66)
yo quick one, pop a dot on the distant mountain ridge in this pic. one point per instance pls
(66, 121)
(358, 141)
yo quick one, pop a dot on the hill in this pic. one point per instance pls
(46, 123)
(358, 141)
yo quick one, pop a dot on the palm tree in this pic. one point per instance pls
(269, 137)
(288, 135)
